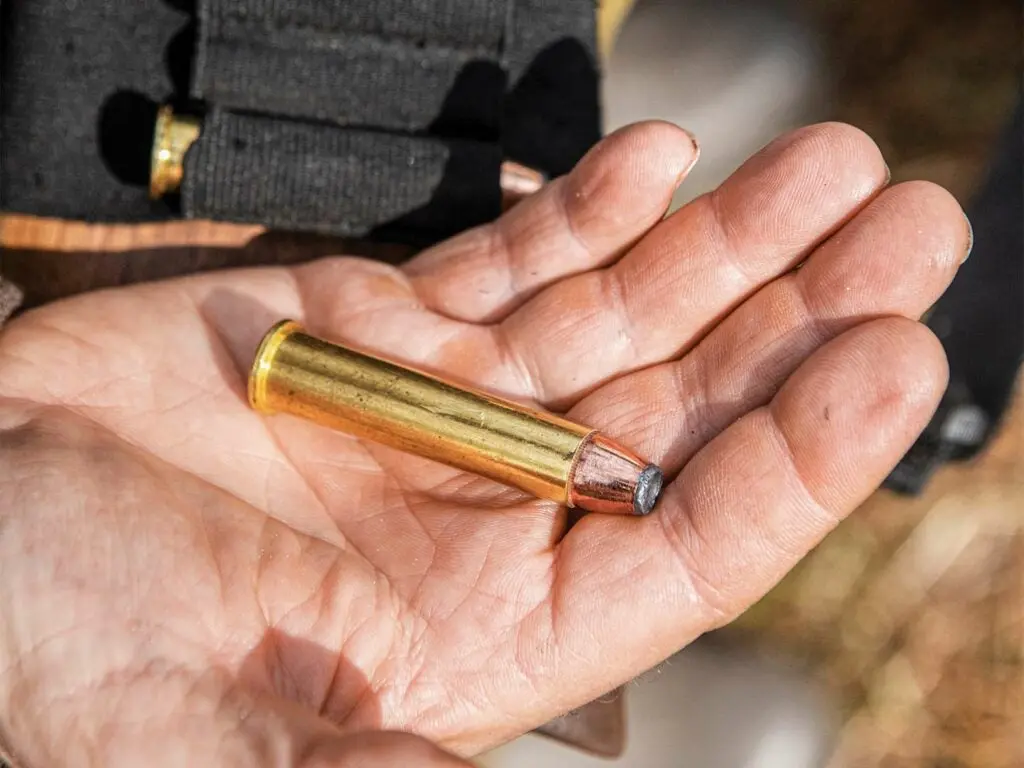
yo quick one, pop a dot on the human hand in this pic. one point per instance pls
(187, 581)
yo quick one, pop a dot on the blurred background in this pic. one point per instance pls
(899, 641)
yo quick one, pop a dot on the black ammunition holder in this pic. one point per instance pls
(366, 118)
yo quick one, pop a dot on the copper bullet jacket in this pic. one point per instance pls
(518, 182)
(545, 455)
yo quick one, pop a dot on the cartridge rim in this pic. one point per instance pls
(173, 134)
(263, 361)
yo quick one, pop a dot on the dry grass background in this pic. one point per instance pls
(912, 613)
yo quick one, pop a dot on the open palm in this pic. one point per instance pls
(184, 578)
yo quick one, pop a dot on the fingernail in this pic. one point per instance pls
(693, 160)
(970, 239)
(888, 175)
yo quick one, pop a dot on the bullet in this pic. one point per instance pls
(174, 134)
(518, 182)
(545, 455)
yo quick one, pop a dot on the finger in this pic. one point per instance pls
(895, 258)
(374, 307)
(696, 266)
(749, 505)
(578, 222)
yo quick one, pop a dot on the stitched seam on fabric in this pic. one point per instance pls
(338, 44)
(241, 17)
(203, 43)
(508, 40)
(337, 37)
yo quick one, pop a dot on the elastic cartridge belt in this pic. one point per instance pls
(383, 119)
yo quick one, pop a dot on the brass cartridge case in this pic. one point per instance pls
(173, 135)
(367, 397)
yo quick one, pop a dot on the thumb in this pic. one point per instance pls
(380, 749)
(271, 732)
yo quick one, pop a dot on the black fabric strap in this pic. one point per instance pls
(464, 24)
(551, 115)
(520, 71)
(321, 177)
(360, 118)
(389, 65)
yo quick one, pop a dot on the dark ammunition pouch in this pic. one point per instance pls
(380, 119)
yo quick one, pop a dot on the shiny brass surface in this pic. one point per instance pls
(172, 137)
(371, 398)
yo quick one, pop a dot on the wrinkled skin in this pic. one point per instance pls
(186, 582)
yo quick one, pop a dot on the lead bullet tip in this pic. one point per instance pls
(648, 489)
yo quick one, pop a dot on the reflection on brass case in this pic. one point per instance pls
(547, 456)
(172, 137)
